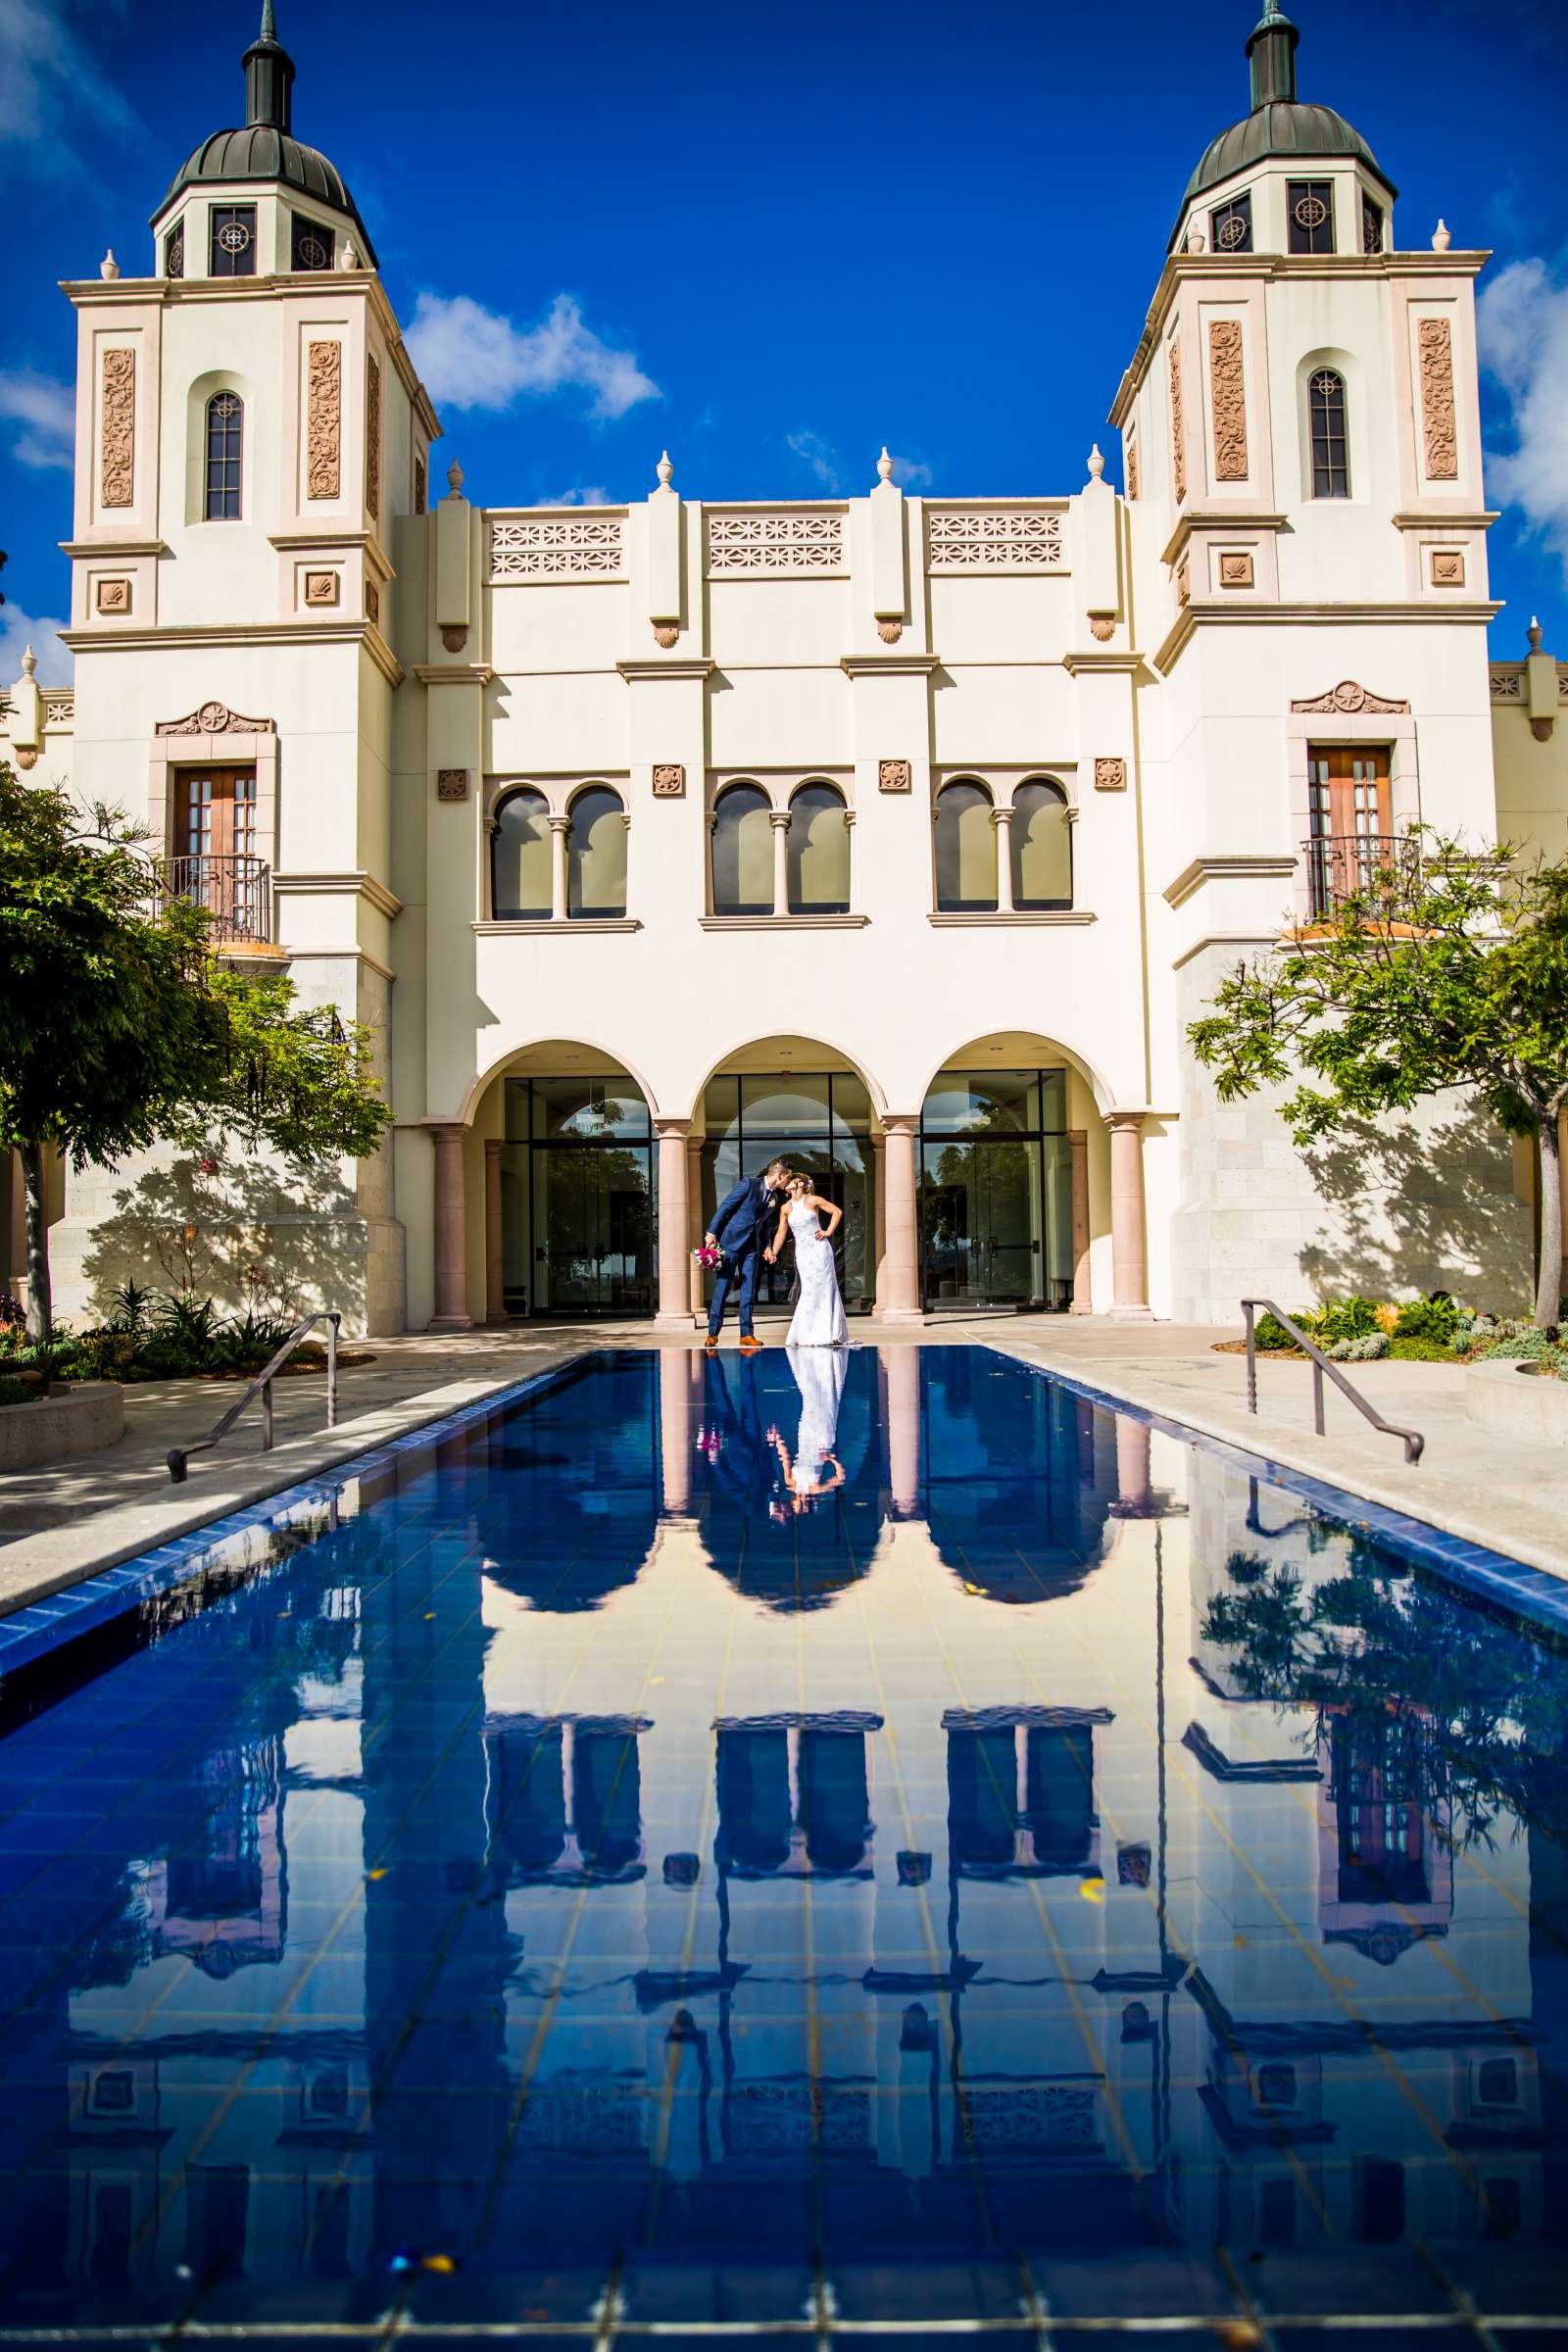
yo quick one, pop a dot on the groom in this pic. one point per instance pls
(740, 1228)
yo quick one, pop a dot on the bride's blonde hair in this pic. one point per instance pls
(798, 1176)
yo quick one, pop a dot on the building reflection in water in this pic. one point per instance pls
(1043, 1838)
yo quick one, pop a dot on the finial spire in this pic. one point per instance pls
(269, 32)
(1271, 57)
(268, 76)
(884, 465)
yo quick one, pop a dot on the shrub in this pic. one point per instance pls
(1428, 1319)
(1364, 1348)
(1270, 1333)
(131, 1306)
(1525, 1345)
(245, 1343)
(1420, 1351)
(1345, 1319)
(17, 1392)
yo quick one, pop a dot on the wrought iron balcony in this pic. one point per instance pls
(1344, 866)
(236, 892)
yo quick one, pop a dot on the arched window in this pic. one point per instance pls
(819, 852)
(520, 859)
(742, 853)
(1041, 846)
(966, 850)
(596, 854)
(1331, 456)
(225, 440)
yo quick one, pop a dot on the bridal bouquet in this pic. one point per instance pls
(708, 1256)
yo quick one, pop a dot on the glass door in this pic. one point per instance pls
(577, 1192)
(996, 1210)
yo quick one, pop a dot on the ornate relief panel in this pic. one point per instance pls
(324, 420)
(1227, 391)
(1003, 539)
(1350, 700)
(893, 775)
(1235, 570)
(373, 436)
(669, 781)
(794, 544)
(1110, 775)
(114, 596)
(563, 546)
(1178, 439)
(215, 719)
(1439, 431)
(117, 430)
(1132, 468)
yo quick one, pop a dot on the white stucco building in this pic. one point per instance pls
(903, 833)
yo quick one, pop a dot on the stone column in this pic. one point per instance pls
(879, 1218)
(1078, 1148)
(694, 1216)
(450, 1231)
(901, 1301)
(1129, 1264)
(559, 827)
(674, 1250)
(495, 1303)
(1002, 819)
(779, 819)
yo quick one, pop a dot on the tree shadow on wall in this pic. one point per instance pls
(246, 1231)
(1415, 1211)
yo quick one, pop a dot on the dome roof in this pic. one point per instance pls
(1285, 126)
(265, 148)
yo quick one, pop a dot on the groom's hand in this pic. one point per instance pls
(709, 1241)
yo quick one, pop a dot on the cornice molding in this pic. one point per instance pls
(1198, 615)
(1238, 867)
(80, 550)
(1127, 661)
(357, 880)
(889, 666)
(448, 673)
(1218, 519)
(692, 667)
(1447, 519)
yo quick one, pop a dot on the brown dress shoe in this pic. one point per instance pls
(750, 1345)
(710, 1346)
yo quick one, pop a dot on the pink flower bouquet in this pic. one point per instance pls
(709, 1256)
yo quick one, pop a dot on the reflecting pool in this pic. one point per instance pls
(792, 1843)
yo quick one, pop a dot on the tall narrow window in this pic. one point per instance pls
(1371, 225)
(1041, 846)
(312, 244)
(742, 853)
(175, 252)
(1353, 825)
(966, 851)
(520, 859)
(234, 241)
(1331, 458)
(1309, 205)
(215, 862)
(596, 854)
(819, 852)
(1231, 226)
(226, 438)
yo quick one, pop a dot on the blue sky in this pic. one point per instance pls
(776, 238)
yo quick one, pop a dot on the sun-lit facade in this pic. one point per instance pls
(905, 834)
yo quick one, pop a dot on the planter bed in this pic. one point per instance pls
(73, 1417)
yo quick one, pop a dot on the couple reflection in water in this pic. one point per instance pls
(772, 1447)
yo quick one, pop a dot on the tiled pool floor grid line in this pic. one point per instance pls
(876, 1846)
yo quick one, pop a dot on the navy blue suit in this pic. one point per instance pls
(740, 1227)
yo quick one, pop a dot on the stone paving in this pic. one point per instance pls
(60, 1524)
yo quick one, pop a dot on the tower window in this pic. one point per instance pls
(312, 247)
(225, 434)
(1231, 227)
(233, 252)
(175, 252)
(1371, 225)
(1310, 207)
(1331, 458)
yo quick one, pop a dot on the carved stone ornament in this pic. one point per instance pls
(372, 603)
(1110, 775)
(455, 638)
(669, 781)
(1448, 568)
(1178, 443)
(215, 719)
(373, 438)
(796, 543)
(1103, 627)
(421, 491)
(320, 588)
(324, 420)
(1508, 686)
(893, 775)
(451, 783)
(117, 429)
(1349, 701)
(890, 631)
(26, 756)
(1184, 582)
(1435, 342)
(1132, 467)
(666, 633)
(114, 596)
(1227, 391)
(580, 547)
(1022, 538)
(1235, 571)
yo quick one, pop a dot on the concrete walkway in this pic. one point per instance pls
(63, 1523)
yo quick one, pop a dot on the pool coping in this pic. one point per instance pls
(246, 1537)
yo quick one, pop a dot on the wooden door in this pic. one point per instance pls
(215, 861)
(1352, 818)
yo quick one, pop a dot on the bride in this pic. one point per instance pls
(819, 1316)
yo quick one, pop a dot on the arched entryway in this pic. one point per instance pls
(569, 1187)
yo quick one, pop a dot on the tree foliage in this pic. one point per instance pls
(119, 1028)
(1444, 971)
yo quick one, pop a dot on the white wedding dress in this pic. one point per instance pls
(820, 1315)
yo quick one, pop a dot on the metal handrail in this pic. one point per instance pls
(179, 1456)
(1414, 1442)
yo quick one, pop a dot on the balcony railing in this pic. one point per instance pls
(1342, 865)
(236, 892)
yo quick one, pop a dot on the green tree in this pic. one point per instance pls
(1443, 972)
(120, 1029)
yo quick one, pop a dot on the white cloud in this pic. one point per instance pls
(50, 78)
(43, 414)
(471, 358)
(1523, 328)
(911, 473)
(18, 631)
(821, 455)
(595, 495)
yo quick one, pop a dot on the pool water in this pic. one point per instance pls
(846, 1844)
